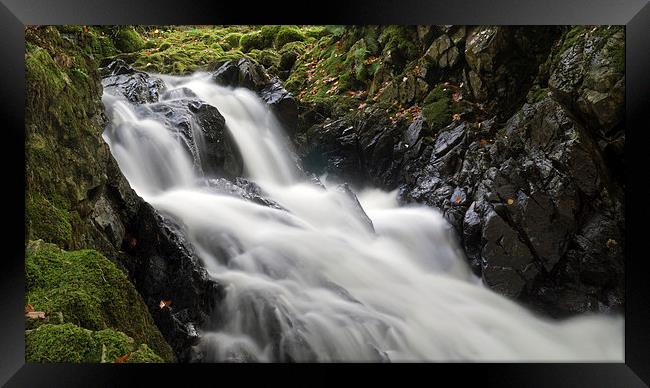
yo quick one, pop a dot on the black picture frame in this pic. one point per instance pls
(634, 14)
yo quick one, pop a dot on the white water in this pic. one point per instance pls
(317, 277)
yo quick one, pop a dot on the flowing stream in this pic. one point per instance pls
(312, 279)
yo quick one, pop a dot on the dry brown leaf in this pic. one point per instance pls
(29, 308)
(455, 117)
(122, 359)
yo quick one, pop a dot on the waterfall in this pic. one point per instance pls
(322, 276)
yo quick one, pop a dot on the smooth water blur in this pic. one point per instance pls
(317, 281)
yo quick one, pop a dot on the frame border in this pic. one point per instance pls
(635, 14)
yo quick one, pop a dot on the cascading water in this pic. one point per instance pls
(314, 278)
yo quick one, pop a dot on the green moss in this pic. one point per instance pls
(60, 343)
(286, 35)
(90, 291)
(164, 46)
(73, 344)
(398, 44)
(317, 32)
(436, 107)
(127, 40)
(46, 221)
(290, 53)
(232, 40)
(112, 344)
(572, 37)
(251, 41)
(537, 94)
(144, 355)
(267, 58)
(268, 34)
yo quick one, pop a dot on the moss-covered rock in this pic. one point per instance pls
(144, 354)
(73, 344)
(286, 35)
(268, 58)
(436, 107)
(46, 221)
(251, 41)
(90, 291)
(231, 40)
(60, 343)
(128, 40)
(290, 53)
(64, 153)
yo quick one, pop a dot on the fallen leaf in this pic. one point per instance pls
(29, 308)
(483, 142)
(457, 200)
(35, 315)
(611, 243)
(165, 303)
(122, 359)
(455, 117)
(510, 201)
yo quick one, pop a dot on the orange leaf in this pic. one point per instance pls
(122, 359)
(457, 200)
(165, 303)
(29, 308)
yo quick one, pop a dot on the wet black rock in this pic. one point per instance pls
(503, 62)
(333, 149)
(241, 73)
(529, 193)
(244, 189)
(282, 104)
(163, 266)
(589, 75)
(352, 203)
(203, 130)
(136, 86)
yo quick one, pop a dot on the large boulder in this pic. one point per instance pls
(203, 131)
(164, 267)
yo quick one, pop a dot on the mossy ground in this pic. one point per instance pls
(90, 292)
(181, 50)
(70, 343)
